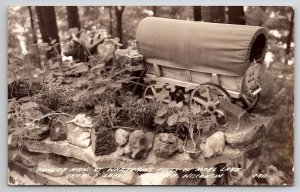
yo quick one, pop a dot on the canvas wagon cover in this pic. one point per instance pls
(200, 46)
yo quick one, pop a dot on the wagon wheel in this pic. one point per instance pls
(207, 96)
(151, 93)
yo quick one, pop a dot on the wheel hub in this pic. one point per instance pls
(210, 107)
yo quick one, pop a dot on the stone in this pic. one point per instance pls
(139, 144)
(127, 150)
(78, 136)
(136, 144)
(58, 131)
(74, 160)
(254, 152)
(148, 140)
(180, 146)
(50, 168)
(233, 114)
(213, 145)
(105, 181)
(25, 160)
(56, 159)
(121, 151)
(159, 178)
(29, 110)
(266, 81)
(36, 132)
(245, 136)
(275, 176)
(126, 177)
(121, 137)
(13, 141)
(82, 120)
(165, 145)
(103, 141)
(84, 179)
(28, 106)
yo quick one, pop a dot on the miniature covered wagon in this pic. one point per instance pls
(215, 60)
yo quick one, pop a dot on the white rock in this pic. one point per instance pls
(82, 120)
(122, 137)
(159, 178)
(78, 136)
(127, 150)
(213, 145)
(121, 151)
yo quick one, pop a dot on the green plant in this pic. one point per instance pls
(185, 120)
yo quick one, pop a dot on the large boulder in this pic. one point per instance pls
(245, 136)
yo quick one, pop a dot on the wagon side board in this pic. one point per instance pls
(188, 78)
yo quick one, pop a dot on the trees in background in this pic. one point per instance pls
(236, 15)
(122, 23)
(214, 14)
(197, 13)
(48, 27)
(291, 33)
(110, 20)
(119, 13)
(154, 9)
(73, 17)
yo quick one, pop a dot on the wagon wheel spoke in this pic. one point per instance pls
(149, 97)
(150, 93)
(153, 90)
(198, 100)
(166, 100)
(219, 113)
(208, 95)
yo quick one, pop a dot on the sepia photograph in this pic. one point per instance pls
(150, 95)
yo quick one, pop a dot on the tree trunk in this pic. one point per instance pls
(214, 14)
(236, 15)
(119, 12)
(110, 21)
(35, 52)
(290, 35)
(48, 28)
(34, 37)
(154, 9)
(73, 17)
(197, 13)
